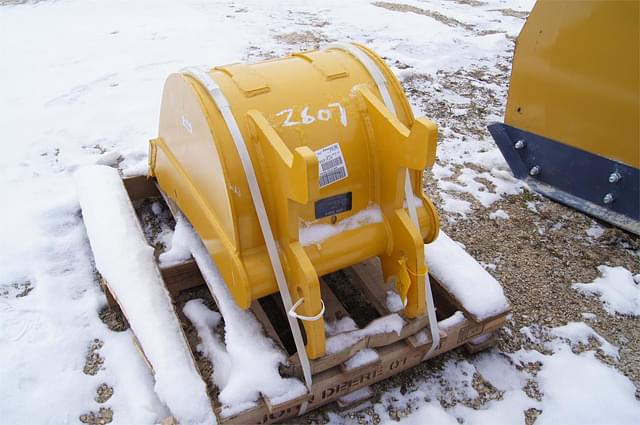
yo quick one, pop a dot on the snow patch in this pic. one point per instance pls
(617, 288)
(580, 332)
(488, 266)
(421, 337)
(455, 205)
(205, 320)
(499, 215)
(499, 370)
(452, 321)
(565, 380)
(386, 324)
(45, 332)
(394, 302)
(532, 206)
(251, 359)
(595, 231)
(344, 324)
(310, 234)
(363, 357)
(504, 184)
(531, 333)
(441, 172)
(179, 250)
(578, 389)
(465, 278)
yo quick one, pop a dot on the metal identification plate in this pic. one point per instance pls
(333, 205)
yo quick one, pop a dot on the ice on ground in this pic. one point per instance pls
(499, 215)
(531, 333)
(316, 233)
(580, 332)
(455, 205)
(441, 172)
(252, 359)
(479, 293)
(488, 266)
(589, 316)
(595, 231)
(122, 256)
(617, 288)
(532, 206)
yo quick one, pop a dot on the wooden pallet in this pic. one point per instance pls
(333, 377)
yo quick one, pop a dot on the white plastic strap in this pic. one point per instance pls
(371, 68)
(294, 314)
(225, 109)
(382, 84)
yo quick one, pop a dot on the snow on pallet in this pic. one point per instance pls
(356, 356)
(129, 270)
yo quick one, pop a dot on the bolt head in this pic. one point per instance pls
(608, 198)
(535, 170)
(520, 144)
(614, 177)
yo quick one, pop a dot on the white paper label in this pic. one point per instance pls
(331, 165)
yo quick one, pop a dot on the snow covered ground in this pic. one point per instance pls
(80, 83)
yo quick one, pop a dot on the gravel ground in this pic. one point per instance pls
(538, 255)
(93, 363)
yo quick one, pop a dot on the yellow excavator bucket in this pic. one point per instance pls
(292, 168)
(572, 122)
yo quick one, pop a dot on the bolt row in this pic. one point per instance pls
(535, 170)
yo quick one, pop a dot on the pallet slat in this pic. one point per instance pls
(140, 187)
(178, 277)
(285, 405)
